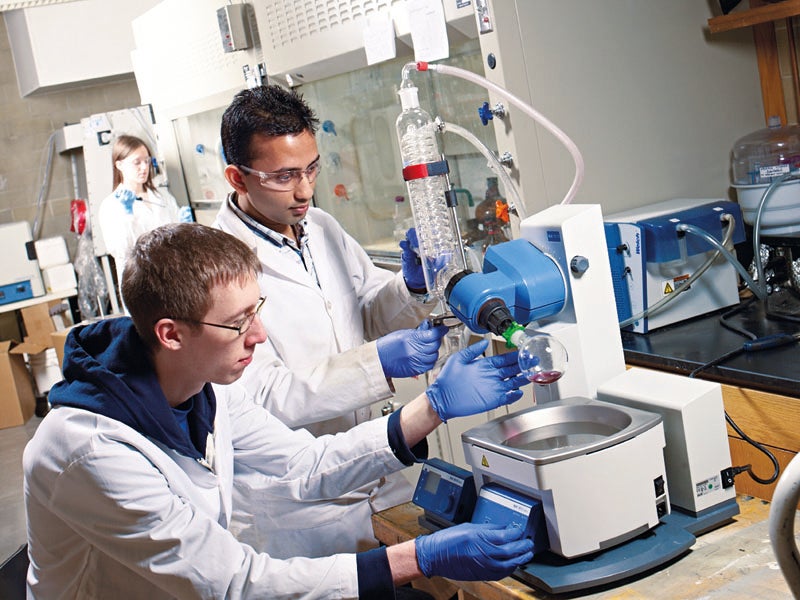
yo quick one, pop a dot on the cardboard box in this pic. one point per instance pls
(57, 339)
(46, 371)
(39, 323)
(9, 327)
(17, 399)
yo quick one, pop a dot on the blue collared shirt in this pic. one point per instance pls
(300, 248)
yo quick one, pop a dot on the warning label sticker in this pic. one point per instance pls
(668, 286)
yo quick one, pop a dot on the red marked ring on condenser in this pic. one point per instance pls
(425, 170)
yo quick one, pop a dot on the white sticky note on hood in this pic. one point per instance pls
(379, 39)
(428, 30)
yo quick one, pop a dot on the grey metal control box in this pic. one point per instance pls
(234, 27)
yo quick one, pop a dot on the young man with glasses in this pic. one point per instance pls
(128, 480)
(340, 328)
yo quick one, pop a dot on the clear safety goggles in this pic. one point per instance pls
(285, 181)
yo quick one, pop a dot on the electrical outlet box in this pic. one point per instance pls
(234, 27)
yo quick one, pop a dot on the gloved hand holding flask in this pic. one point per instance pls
(467, 385)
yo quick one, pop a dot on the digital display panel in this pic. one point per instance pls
(432, 482)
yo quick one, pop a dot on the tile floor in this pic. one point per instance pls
(12, 508)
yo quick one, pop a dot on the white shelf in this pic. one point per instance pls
(4, 308)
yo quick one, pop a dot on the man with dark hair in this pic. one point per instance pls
(340, 327)
(128, 480)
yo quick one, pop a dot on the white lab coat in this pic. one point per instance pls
(316, 371)
(121, 229)
(81, 467)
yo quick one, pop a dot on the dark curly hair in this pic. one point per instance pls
(269, 110)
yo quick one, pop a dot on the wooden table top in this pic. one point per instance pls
(733, 561)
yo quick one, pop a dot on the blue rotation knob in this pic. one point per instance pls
(329, 127)
(485, 113)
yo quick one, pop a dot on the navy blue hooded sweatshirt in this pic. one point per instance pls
(108, 371)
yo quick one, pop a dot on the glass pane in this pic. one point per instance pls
(200, 151)
(361, 176)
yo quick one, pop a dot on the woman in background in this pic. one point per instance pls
(135, 206)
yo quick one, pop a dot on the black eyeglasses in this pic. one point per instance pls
(242, 326)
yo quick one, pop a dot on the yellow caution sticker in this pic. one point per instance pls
(484, 462)
(671, 284)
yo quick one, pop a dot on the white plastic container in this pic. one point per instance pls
(757, 160)
(59, 277)
(51, 252)
(45, 370)
(781, 214)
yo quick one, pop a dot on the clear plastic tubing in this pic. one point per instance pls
(439, 245)
(762, 280)
(526, 108)
(760, 292)
(495, 165)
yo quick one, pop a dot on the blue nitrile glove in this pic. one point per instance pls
(410, 352)
(466, 386)
(411, 263)
(473, 552)
(185, 214)
(126, 198)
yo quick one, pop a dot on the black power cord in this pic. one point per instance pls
(753, 345)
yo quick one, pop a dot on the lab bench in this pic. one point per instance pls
(59, 295)
(761, 390)
(733, 561)
(13, 325)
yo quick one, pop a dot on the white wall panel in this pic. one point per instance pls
(179, 62)
(653, 101)
(314, 39)
(63, 44)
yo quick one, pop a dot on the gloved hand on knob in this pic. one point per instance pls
(410, 352)
(473, 552)
(467, 385)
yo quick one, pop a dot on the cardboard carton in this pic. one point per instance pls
(57, 339)
(17, 398)
(39, 323)
(9, 327)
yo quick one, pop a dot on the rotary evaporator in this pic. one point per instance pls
(613, 471)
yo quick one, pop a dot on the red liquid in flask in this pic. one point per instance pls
(545, 377)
